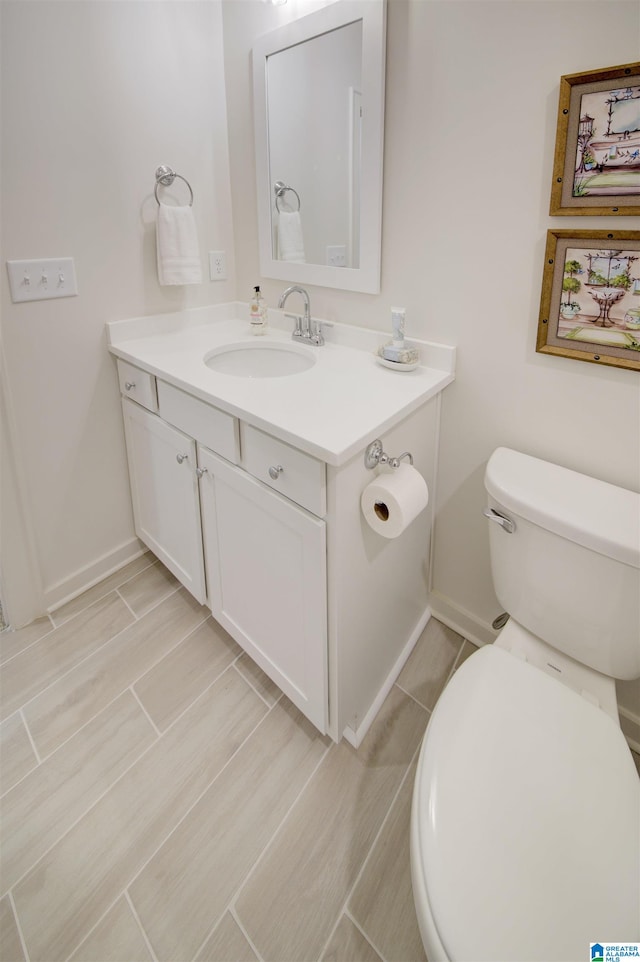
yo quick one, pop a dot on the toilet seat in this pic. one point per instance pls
(510, 753)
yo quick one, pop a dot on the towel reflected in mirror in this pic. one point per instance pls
(290, 240)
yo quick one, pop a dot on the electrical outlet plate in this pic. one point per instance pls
(39, 280)
(217, 266)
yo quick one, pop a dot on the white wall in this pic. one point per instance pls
(471, 102)
(95, 97)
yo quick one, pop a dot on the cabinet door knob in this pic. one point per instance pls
(181, 457)
(129, 385)
(275, 471)
(200, 472)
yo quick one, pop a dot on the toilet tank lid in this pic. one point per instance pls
(593, 513)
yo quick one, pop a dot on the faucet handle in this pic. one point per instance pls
(298, 332)
(315, 334)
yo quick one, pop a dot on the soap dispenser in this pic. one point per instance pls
(258, 313)
(397, 351)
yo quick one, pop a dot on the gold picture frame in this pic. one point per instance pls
(596, 167)
(590, 302)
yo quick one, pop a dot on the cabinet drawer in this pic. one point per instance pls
(214, 428)
(138, 385)
(297, 475)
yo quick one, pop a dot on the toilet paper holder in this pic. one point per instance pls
(374, 455)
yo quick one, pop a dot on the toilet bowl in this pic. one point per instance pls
(525, 824)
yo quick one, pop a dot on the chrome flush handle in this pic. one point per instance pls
(501, 519)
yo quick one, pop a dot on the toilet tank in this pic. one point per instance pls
(570, 570)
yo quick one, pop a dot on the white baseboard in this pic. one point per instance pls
(630, 725)
(63, 591)
(355, 736)
(460, 620)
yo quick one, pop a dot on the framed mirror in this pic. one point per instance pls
(319, 127)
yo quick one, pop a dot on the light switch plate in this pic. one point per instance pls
(38, 280)
(336, 255)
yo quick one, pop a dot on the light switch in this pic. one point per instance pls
(39, 280)
(336, 255)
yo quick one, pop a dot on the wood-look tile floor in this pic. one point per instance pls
(162, 800)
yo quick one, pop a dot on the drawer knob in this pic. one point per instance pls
(129, 385)
(200, 472)
(275, 471)
(181, 457)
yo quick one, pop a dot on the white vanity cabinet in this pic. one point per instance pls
(255, 556)
(249, 491)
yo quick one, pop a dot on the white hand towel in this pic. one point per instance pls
(290, 243)
(177, 246)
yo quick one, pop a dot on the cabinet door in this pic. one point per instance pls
(164, 489)
(265, 560)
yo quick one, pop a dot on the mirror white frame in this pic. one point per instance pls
(372, 13)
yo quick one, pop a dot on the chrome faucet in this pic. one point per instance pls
(302, 330)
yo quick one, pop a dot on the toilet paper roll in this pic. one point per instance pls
(392, 501)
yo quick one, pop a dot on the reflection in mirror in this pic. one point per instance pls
(319, 107)
(313, 117)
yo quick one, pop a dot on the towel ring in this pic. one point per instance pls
(165, 177)
(279, 189)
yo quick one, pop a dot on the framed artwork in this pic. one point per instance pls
(590, 303)
(596, 168)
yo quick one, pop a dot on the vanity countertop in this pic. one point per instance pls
(332, 410)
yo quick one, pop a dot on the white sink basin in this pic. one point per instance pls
(260, 360)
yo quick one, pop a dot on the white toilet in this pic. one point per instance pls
(525, 826)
